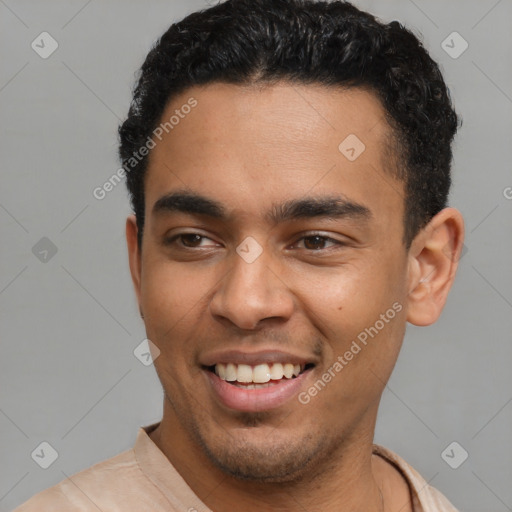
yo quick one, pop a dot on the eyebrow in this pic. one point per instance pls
(333, 207)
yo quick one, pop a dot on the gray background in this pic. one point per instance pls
(69, 325)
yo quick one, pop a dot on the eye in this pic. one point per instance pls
(189, 240)
(316, 242)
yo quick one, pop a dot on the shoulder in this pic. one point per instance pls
(108, 485)
(424, 497)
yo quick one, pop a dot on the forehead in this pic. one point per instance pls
(250, 145)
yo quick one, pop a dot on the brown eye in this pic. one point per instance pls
(191, 239)
(316, 242)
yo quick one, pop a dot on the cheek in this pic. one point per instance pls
(173, 297)
(360, 311)
(362, 342)
(347, 299)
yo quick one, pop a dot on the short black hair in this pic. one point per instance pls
(246, 42)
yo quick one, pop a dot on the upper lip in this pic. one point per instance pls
(253, 358)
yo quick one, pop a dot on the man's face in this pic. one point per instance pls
(301, 256)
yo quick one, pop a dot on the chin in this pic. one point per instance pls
(263, 457)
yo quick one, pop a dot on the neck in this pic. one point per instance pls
(348, 480)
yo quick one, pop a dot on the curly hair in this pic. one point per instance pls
(309, 42)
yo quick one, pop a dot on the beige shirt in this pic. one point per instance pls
(143, 479)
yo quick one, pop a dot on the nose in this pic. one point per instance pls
(250, 293)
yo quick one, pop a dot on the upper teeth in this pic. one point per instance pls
(260, 373)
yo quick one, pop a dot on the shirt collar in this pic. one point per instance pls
(157, 468)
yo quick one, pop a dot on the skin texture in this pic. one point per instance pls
(250, 148)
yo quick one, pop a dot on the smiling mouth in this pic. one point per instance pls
(259, 376)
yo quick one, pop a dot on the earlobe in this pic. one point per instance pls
(134, 256)
(433, 262)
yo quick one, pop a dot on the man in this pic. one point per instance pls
(288, 163)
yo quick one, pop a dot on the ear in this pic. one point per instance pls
(134, 255)
(433, 260)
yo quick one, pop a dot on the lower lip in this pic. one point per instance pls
(255, 400)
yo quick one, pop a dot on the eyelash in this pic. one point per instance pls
(173, 239)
